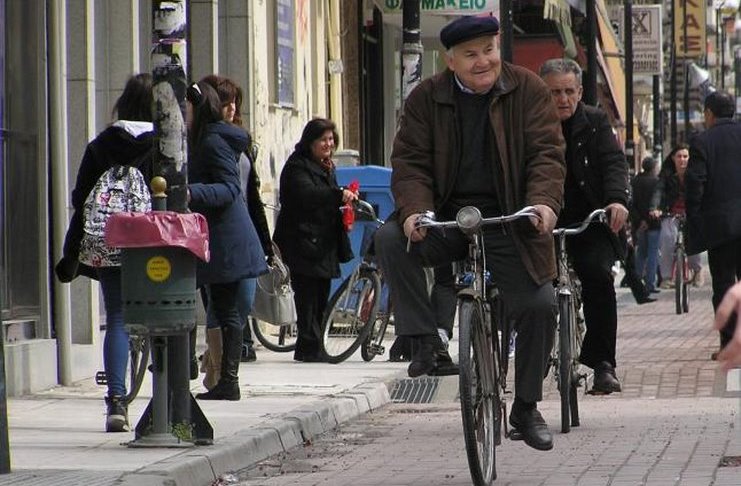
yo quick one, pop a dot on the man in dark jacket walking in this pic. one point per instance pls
(646, 228)
(481, 133)
(713, 198)
(596, 176)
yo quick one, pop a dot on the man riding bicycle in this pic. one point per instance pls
(482, 133)
(597, 176)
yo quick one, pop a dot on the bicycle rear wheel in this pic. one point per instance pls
(565, 363)
(281, 339)
(478, 392)
(350, 315)
(679, 280)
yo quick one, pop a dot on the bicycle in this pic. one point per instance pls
(281, 339)
(482, 338)
(139, 347)
(680, 269)
(570, 329)
(354, 317)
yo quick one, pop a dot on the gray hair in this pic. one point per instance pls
(561, 66)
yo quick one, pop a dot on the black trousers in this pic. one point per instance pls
(311, 295)
(529, 306)
(592, 254)
(725, 269)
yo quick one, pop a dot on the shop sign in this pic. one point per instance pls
(443, 7)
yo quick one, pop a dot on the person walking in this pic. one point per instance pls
(128, 141)
(713, 182)
(483, 133)
(309, 231)
(214, 190)
(667, 201)
(230, 95)
(645, 227)
(596, 177)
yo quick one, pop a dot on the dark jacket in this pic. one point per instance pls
(668, 190)
(123, 143)
(597, 172)
(215, 192)
(713, 187)
(309, 230)
(250, 185)
(644, 186)
(525, 127)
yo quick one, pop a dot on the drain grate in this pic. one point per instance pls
(730, 461)
(415, 390)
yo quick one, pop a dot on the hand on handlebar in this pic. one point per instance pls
(410, 228)
(546, 220)
(617, 214)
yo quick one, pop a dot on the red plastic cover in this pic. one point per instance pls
(159, 228)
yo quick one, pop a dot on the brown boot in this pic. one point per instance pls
(212, 357)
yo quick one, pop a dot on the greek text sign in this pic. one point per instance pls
(446, 7)
(689, 33)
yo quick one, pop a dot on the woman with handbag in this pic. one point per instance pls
(230, 95)
(214, 191)
(310, 232)
(127, 142)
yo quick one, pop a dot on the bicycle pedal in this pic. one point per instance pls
(101, 378)
(515, 434)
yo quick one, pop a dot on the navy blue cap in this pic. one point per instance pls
(467, 28)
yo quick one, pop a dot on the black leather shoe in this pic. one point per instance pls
(530, 425)
(222, 391)
(424, 360)
(605, 381)
(645, 299)
(445, 365)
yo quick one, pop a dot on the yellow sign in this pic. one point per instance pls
(689, 33)
(158, 269)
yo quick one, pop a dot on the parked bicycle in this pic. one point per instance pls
(680, 268)
(482, 341)
(359, 311)
(570, 330)
(280, 339)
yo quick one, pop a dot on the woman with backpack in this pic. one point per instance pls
(128, 142)
(214, 190)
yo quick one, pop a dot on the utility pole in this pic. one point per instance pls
(673, 78)
(628, 41)
(658, 116)
(506, 23)
(590, 74)
(686, 75)
(411, 49)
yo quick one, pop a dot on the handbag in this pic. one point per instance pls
(274, 302)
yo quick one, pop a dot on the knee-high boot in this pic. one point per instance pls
(212, 357)
(228, 386)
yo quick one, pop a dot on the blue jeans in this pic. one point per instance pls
(647, 255)
(245, 298)
(116, 342)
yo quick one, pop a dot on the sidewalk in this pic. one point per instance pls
(57, 437)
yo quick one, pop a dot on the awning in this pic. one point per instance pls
(609, 58)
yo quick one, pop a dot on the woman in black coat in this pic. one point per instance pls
(309, 230)
(214, 190)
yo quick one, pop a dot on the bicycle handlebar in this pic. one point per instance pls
(598, 214)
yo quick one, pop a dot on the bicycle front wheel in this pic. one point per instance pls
(350, 315)
(566, 323)
(478, 392)
(679, 280)
(281, 339)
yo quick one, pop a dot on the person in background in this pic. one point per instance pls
(129, 138)
(668, 200)
(309, 230)
(596, 177)
(481, 133)
(713, 182)
(230, 95)
(214, 190)
(645, 227)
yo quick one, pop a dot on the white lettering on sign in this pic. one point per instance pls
(447, 7)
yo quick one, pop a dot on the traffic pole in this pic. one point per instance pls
(411, 49)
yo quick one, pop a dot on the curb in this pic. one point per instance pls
(203, 466)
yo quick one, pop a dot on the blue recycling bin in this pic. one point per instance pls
(375, 188)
